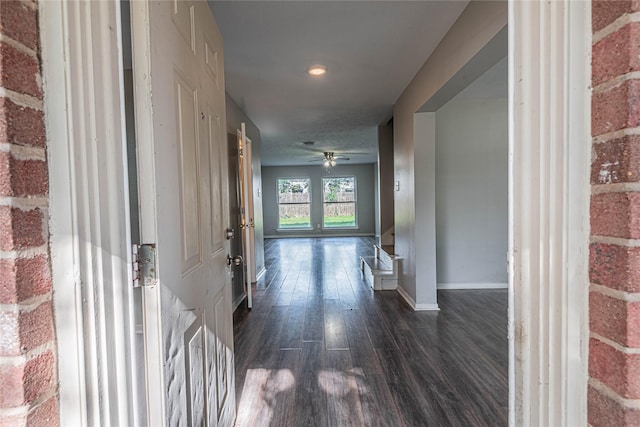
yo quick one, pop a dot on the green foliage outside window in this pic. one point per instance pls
(339, 197)
(294, 203)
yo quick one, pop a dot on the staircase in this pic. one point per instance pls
(381, 270)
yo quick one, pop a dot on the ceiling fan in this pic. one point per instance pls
(329, 159)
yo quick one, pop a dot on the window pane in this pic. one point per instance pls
(339, 189)
(294, 202)
(293, 216)
(339, 196)
(293, 190)
(339, 214)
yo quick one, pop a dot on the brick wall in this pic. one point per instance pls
(614, 302)
(28, 395)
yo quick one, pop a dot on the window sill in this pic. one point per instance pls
(341, 228)
(279, 230)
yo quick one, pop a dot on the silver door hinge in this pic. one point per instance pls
(144, 265)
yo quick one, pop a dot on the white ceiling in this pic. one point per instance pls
(372, 50)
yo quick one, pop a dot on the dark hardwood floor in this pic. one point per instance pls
(321, 348)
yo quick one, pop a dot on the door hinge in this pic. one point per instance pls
(144, 265)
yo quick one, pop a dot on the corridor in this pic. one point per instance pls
(320, 348)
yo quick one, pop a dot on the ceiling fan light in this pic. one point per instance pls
(327, 163)
(317, 70)
(333, 162)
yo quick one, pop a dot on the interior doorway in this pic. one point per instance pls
(471, 184)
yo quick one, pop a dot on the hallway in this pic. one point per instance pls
(320, 348)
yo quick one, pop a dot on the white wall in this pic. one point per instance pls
(472, 192)
(365, 193)
(478, 24)
(424, 133)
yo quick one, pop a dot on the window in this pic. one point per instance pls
(294, 203)
(339, 197)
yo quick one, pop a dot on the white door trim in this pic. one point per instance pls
(89, 219)
(154, 357)
(549, 153)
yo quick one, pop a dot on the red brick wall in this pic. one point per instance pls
(614, 302)
(28, 391)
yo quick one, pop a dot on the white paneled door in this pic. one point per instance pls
(247, 225)
(182, 161)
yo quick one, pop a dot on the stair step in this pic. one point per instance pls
(381, 270)
(377, 265)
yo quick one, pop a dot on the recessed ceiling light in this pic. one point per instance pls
(317, 70)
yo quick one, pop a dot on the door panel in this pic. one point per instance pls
(195, 359)
(182, 17)
(187, 123)
(222, 367)
(184, 210)
(214, 139)
(211, 61)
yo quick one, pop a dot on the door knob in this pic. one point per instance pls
(236, 260)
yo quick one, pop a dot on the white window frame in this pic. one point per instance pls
(355, 202)
(310, 227)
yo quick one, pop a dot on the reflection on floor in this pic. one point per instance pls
(320, 348)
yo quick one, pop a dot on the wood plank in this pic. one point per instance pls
(310, 399)
(313, 328)
(339, 382)
(378, 406)
(268, 394)
(335, 332)
(268, 341)
(290, 335)
(411, 406)
(363, 353)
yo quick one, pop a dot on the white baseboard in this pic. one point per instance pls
(237, 303)
(473, 285)
(261, 273)
(427, 307)
(413, 305)
(305, 235)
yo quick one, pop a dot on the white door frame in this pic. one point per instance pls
(549, 157)
(89, 216)
(154, 369)
(549, 144)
